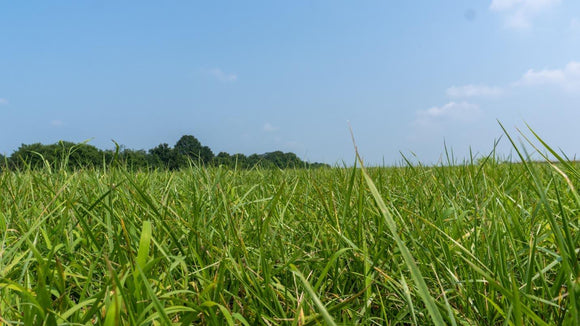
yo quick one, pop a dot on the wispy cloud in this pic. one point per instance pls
(473, 91)
(575, 26)
(222, 76)
(268, 127)
(520, 13)
(3, 101)
(452, 111)
(567, 78)
(57, 123)
(470, 14)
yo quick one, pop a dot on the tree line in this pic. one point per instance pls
(187, 151)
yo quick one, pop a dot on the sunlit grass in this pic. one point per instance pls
(484, 243)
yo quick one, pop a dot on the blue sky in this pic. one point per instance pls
(259, 76)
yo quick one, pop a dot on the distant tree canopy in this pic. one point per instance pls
(188, 147)
(61, 154)
(187, 151)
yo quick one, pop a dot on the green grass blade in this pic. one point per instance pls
(321, 308)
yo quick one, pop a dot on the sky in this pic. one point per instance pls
(409, 77)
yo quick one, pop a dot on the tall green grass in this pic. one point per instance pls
(482, 242)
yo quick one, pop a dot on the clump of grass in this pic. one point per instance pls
(483, 242)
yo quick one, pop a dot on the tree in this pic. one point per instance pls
(135, 159)
(68, 155)
(188, 147)
(3, 162)
(239, 160)
(206, 155)
(253, 160)
(164, 156)
(61, 155)
(80, 155)
(32, 155)
(223, 158)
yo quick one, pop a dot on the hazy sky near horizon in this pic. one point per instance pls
(259, 76)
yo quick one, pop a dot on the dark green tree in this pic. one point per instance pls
(3, 161)
(164, 156)
(253, 160)
(80, 155)
(31, 155)
(68, 155)
(61, 155)
(282, 160)
(135, 159)
(224, 159)
(239, 161)
(188, 147)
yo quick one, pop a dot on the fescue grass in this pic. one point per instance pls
(479, 243)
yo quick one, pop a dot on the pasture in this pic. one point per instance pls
(483, 242)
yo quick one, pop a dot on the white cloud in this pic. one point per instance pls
(57, 123)
(268, 127)
(575, 26)
(520, 13)
(567, 78)
(3, 101)
(452, 111)
(222, 76)
(473, 91)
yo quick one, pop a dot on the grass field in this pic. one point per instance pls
(479, 243)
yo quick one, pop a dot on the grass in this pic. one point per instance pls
(482, 242)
